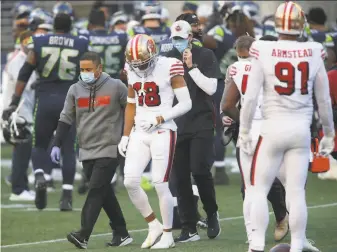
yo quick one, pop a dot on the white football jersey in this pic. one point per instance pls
(154, 93)
(288, 70)
(239, 72)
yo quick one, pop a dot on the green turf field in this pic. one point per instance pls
(25, 229)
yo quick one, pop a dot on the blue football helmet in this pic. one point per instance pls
(39, 18)
(63, 7)
(22, 9)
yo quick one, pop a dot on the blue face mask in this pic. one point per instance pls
(88, 77)
(180, 44)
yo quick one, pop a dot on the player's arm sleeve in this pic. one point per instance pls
(254, 85)
(180, 91)
(217, 33)
(207, 77)
(68, 112)
(322, 95)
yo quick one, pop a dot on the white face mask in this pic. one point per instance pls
(245, 59)
(88, 77)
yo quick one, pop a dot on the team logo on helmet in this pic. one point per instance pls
(151, 47)
(178, 28)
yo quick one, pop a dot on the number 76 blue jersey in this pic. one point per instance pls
(57, 58)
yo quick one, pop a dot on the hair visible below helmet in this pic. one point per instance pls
(244, 42)
(140, 53)
(289, 19)
(63, 7)
(40, 19)
(62, 22)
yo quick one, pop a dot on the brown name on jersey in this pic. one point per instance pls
(292, 54)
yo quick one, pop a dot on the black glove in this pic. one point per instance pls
(6, 114)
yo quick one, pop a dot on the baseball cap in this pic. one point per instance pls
(181, 29)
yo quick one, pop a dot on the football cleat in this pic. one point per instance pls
(24, 196)
(309, 246)
(77, 240)
(166, 241)
(213, 229)
(66, 202)
(155, 231)
(41, 191)
(187, 236)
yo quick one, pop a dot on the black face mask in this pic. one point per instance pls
(198, 34)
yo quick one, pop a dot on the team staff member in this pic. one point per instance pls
(194, 148)
(96, 102)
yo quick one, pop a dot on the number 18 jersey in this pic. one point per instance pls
(154, 93)
(289, 70)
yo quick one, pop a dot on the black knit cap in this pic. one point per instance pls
(189, 18)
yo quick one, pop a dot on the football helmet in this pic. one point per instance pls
(41, 19)
(289, 19)
(148, 10)
(22, 9)
(140, 53)
(63, 7)
(16, 130)
(118, 16)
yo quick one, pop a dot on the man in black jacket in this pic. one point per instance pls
(194, 149)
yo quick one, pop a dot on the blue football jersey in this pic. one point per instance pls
(158, 34)
(111, 47)
(57, 57)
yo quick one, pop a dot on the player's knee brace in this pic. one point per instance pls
(132, 184)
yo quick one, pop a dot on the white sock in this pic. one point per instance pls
(166, 204)
(195, 190)
(219, 164)
(246, 215)
(260, 213)
(298, 215)
(175, 201)
(67, 187)
(138, 196)
(38, 171)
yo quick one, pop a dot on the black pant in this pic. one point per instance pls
(48, 107)
(20, 162)
(219, 147)
(194, 153)
(276, 195)
(100, 172)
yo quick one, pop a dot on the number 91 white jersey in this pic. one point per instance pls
(289, 69)
(154, 93)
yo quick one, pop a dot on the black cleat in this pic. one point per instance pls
(187, 236)
(119, 241)
(79, 242)
(66, 202)
(40, 191)
(213, 229)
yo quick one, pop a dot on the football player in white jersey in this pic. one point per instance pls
(238, 74)
(289, 72)
(150, 132)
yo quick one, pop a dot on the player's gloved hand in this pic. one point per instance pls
(6, 114)
(245, 142)
(55, 154)
(149, 125)
(327, 144)
(123, 144)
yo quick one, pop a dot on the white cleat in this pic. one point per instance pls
(155, 231)
(24, 196)
(166, 241)
(309, 246)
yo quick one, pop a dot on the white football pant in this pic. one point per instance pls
(288, 143)
(159, 146)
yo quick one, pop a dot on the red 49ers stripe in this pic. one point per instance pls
(134, 47)
(252, 170)
(284, 16)
(289, 16)
(173, 138)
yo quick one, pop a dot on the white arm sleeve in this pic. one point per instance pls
(208, 85)
(322, 95)
(183, 106)
(8, 88)
(254, 85)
